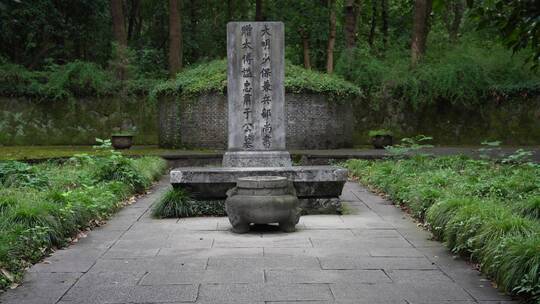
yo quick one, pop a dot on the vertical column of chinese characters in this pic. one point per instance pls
(266, 88)
(247, 87)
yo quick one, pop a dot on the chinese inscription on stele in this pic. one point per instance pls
(255, 86)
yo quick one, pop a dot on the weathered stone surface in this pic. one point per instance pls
(262, 200)
(314, 121)
(321, 206)
(255, 89)
(213, 182)
(257, 159)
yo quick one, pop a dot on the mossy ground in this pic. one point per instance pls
(50, 152)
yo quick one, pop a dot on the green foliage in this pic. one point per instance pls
(408, 145)
(516, 263)
(72, 80)
(36, 217)
(77, 79)
(483, 209)
(300, 80)
(17, 174)
(515, 21)
(212, 77)
(177, 203)
(380, 132)
(203, 78)
(468, 74)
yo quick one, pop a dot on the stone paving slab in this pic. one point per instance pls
(377, 255)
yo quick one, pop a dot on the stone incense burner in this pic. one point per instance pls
(262, 200)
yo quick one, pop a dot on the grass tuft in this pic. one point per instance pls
(177, 203)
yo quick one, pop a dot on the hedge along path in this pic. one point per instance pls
(480, 209)
(43, 207)
(375, 255)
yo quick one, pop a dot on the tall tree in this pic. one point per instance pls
(193, 29)
(351, 12)
(258, 10)
(371, 37)
(175, 39)
(422, 10)
(452, 18)
(331, 37)
(384, 16)
(304, 35)
(119, 30)
(134, 19)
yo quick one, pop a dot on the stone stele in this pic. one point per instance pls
(256, 95)
(256, 123)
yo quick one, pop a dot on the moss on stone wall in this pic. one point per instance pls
(514, 122)
(28, 122)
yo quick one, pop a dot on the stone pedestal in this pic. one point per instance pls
(257, 159)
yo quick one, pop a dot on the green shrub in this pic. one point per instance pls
(516, 265)
(119, 168)
(35, 216)
(16, 80)
(212, 77)
(530, 207)
(380, 132)
(481, 209)
(18, 174)
(177, 203)
(72, 80)
(443, 211)
(469, 74)
(77, 79)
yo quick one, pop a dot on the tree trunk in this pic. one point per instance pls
(193, 30)
(422, 10)
(258, 10)
(453, 17)
(305, 47)
(119, 29)
(371, 37)
(133, 18)
(331, 38)
(175, 39)
(138, 27)
(384, 15)
(351, 12)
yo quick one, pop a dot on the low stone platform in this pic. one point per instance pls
(213, 182)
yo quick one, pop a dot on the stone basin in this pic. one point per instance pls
(212, 183)
(262, 200)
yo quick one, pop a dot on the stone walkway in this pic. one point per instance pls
(377, 255)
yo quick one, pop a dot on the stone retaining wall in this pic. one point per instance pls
(313, 122)
(25, 121)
